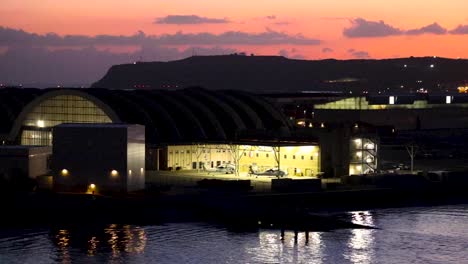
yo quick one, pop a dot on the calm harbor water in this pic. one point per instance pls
(405, 235)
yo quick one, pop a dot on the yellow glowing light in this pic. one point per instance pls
(64, 172)
(306, 149)
(92, 186)
(40, 123)
(114, 173)
(358, 168)
(322, 125)
(359, 154)
(463, 89)
(351, 171)
(369, 146)
(358, 141)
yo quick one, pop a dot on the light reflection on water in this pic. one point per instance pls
(405, 235)
(361, 240)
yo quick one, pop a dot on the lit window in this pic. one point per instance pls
(448, 99)
(391, 100)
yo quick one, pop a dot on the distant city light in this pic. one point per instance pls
(432, 66)
(64, 172)
(462, 89)
(40, 123)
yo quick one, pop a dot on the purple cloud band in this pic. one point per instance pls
(362, 28)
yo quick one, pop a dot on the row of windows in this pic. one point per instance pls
(36, 138)
(58, 110)
(188, 151)
(48, 121)
(90, 110)
(267, 155)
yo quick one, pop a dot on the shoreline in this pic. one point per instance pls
(234, 209)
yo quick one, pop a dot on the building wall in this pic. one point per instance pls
(296, 160)
(187, 157)
(27, 161)
(136, 158)
(401, 119)
(90, 154)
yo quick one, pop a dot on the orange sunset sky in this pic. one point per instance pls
(322, 20)
(120, 31)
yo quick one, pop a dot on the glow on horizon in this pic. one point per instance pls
(324, 20)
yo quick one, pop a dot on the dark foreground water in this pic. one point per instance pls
(406, 235)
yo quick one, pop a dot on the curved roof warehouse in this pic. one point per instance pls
(170, 117)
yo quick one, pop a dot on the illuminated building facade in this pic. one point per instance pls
(294, 159)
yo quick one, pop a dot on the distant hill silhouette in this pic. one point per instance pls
(273, 73)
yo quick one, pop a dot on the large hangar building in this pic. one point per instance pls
(186, 129)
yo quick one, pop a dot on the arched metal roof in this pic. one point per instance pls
(187, 115)
(12, 102)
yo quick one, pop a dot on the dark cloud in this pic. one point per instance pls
(269, 37)
(13, 37)
(460, 30)
(189, 19)
(433, 28)
(271, 17)
(327, 50)
(362, 28)
(359, 54)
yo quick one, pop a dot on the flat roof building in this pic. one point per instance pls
(99, 157)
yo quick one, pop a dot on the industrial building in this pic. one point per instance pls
(98, 157)
(187, 129)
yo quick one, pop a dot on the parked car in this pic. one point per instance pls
(224, 168)
(273, 172)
